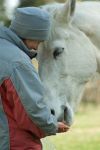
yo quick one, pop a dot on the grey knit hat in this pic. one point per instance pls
(31, 23)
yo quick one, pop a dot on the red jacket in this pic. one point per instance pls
(24, 134)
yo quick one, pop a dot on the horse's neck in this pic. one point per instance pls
(97, 52)
(95, 39)
(87, 19)
(91, 33)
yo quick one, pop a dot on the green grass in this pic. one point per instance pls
(83, 135)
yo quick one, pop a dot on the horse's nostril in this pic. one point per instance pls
(65, 112)
(52, 112)
(68, 115)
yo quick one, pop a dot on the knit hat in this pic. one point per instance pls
(31, 23)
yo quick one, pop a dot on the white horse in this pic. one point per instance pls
(71, 56)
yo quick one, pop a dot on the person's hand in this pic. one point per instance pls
(62, 127)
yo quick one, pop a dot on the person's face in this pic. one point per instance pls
(32, 44)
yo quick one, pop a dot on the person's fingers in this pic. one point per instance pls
(63, 130)
(62, 127)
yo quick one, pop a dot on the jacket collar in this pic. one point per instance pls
(6, 33)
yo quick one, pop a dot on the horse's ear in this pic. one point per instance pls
(66, 11)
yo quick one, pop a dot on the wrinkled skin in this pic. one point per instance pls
(69, 58)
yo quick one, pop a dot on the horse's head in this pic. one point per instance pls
(66, 62)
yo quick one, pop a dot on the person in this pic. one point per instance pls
(24, 116)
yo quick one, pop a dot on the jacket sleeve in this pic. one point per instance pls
(30, 90)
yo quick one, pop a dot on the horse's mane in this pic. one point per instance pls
(51, 7)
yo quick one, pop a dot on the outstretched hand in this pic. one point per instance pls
(62, 127)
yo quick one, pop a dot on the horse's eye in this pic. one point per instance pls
(57, 52)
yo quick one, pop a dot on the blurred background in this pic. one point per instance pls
(85, 132)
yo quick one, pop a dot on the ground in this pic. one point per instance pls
(83, 135)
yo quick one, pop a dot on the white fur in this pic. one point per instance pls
(64, 78)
